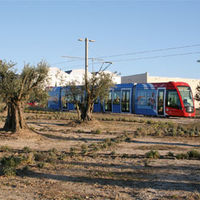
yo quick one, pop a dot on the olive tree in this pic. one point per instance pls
(197, 96)
(83, 97)
(16, 89)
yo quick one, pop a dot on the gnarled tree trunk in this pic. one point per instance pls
(86, 111)
(14, 121)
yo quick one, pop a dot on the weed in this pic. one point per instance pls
(80, 131)
(193, 154)
(26, 168)
(149, 122)
(41, 164)
(170, 124)
(146, 162)
(84, 149)
(9, 165)
(182, 156)
(40, 156)
(108, 142)
(152, 154)
(72, 151)
(97, 131)
(62, 156)
(5, 149)
(53, 150)
(192, 133)
(113, 153)
(128, 139)
(26, 150)
(171, 154)
(125, 155)
(29, 159)
(51, 159)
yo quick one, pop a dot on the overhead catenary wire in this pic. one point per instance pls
(159, 56)
(152, 51)
(143, 58)
(140, 52)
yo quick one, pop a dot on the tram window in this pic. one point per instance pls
(186, 95)
(173, 99)
(116, 97)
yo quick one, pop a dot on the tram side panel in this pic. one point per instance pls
(54, 101)
(145, 99)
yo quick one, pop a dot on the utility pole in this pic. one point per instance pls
(86, 59)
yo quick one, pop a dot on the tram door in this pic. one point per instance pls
(108, 103)
(125, 102)
(161, 102)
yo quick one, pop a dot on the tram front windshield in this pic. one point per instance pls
(186, 95)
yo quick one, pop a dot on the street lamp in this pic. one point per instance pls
(86, 57)
(198, 60)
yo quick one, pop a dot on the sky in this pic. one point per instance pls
(161, 37)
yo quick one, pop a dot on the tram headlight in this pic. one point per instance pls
(189, 109)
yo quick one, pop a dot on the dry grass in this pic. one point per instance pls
(102, 159)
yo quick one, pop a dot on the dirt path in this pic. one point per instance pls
(104, 170)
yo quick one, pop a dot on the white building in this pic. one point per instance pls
(146, 78)
(57, 77)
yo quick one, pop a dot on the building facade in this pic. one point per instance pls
(57, 77)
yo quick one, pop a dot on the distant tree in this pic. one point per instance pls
(83, 97)
(197, 96)
(17, 89)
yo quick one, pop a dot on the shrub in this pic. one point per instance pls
(29, 159)
(41, 164)
(72, 151)
(9, 165)
(94, 147)
(79, 131)
(26, 150)
(192, 133)
(125, 155)
(98, 131)
(53, 151)
(170, 124)
(152, 154)
(113, 154)
(171, 154)
(84, 149)
(149, 122)
(5, 149)
(182, 156)
(194, 154)
(128, 139)
(40, 156)
(108, 142)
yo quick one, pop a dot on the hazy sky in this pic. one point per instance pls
(161, 37)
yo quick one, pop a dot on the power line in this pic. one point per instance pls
(161, 56)
(144, 58)
(141, 52)
(151, 51)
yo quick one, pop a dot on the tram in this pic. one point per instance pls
(153, 99)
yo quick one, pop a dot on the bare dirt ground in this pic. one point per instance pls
(94, 160)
